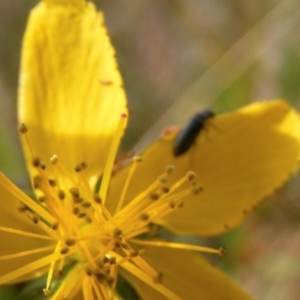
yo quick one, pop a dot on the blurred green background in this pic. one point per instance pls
(178, 57)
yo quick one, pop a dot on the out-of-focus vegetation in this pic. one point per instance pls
(178, 57)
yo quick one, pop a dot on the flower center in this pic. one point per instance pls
(81, 229)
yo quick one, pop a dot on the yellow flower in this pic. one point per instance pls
(72, 110)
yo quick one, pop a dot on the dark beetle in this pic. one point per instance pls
(187, 136)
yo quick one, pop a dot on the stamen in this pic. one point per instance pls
(98, 293)
(219, 252)
(134, 206)
(26, 233)
(136, 160)
(26, 200)
(149, 280)
(166, 201)
(103, 245)
(82, 179)
(111, 158)
(25, 253)
(105, 211)
(134, 233)
(23, 130)
(37, 264)
(51, 270)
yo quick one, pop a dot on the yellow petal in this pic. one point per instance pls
(12, 218)
(71, 93)
(188, 275)
(240, 158)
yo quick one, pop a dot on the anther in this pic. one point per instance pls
(88, 219)
(97, 199)
(64, 250)
(35, 219)
(37, 180)
(112, 260)
(152, 229)
(81, 215)
(88, 271)
(100, 264)
(105, 259)
(23, 128)
(86, 204)
(78, 168)
(134, 253)
(222, 251)
(59, 274)
(101, 276)
(116, 232)
(191, 176)
(110, 280)
(74, 192)
(172, 204)
(75, 210)
(144, 216)
(162, 179)
(46, 292)
(137, 159)
(36, 162)
(180, 204)
(54, 159)
(164, 188)
(77, 199)
(70, 242)
(42, 199)
(42, 165)
(196, 188)
(158, 278)
(154, 196)
(83, 165)
(169, 169)
(22, 208)
(61, 194)
(55, 226)
(52, 182)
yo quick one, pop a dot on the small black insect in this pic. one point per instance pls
(187, 136)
